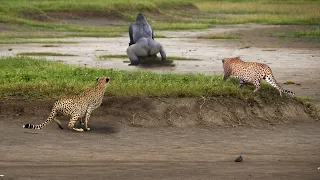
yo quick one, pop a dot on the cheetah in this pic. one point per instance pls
(77, 106)
(251, 72)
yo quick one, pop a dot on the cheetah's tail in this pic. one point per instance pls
(40, 126)
(271, 80)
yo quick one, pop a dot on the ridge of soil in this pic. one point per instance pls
(176, 112)
(91, 18)
(97, 18)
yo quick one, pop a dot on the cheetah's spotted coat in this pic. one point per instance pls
(77, 106)
(251, 72)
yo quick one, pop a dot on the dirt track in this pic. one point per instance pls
(113, 151)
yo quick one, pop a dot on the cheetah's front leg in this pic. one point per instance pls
(88, 114)
(58, 122)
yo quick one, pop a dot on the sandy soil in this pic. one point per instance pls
(114, 149)
(294, 59)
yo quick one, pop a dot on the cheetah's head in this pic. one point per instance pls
(103, 80)
(234, 59)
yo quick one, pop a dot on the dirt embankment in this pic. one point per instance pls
(177, 112)
(98, 18)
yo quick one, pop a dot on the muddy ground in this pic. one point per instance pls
(141, 138)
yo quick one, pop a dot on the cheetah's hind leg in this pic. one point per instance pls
(58, 122)
(257, 84)
(241, 84)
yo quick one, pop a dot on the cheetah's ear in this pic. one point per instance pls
(97, 79)
(107, 79)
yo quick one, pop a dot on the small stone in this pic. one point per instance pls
(239, 159)
(10, 49)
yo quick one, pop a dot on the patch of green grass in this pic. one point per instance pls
(54, 35)
(258, 7)
(28, 36)
(308, 33)
(30, 78)
(49, 45)
(44, 54)
(107, 6)
(220, 37)
(35, 42)
(266, 19)
(58, 27)
(311, 33)
(265, 11)
(281, 35)
(170, 58)
(181, 26)
(310, 104)
(105, 35)
(289, 82)
(160, 36)
(108, 56)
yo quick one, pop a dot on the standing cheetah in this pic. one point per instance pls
(251, 72)
(77, 106)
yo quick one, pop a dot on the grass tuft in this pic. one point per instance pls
(220, 37)
(44, 54)
(54, 35)
(108, 56)
(49, 45)
(160, 36)
(308, 33)
(35, 42)
(289, 82)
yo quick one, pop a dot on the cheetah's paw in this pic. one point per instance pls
(78, 129)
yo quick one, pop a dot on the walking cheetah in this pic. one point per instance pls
(77, 106)
(251, 72)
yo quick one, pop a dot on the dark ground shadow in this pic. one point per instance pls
(95, 127)
(103, 129)
(154, 61)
